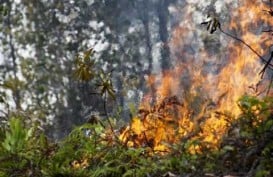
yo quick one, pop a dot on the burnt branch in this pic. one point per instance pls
(213, 24)
(152, 119)
(266, 65)
(270, 11)
(268, 31)
(169, 102)
(247, 45)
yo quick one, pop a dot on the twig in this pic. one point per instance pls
(253, 167)
(105, 110)
(266, 65)
(148, 143)
(214, 23)
(270, 11)
(267, 31)
(242, 41)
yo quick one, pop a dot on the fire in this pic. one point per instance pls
(203, 92)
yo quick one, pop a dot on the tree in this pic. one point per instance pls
(163, 15)
(41, 41)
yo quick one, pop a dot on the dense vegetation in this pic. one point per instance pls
(73, 74)
(95, 148)
(92, 150)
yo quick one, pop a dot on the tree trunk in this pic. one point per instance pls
(16, 91)
(163, 14)
(144, 16)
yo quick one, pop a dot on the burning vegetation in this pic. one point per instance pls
(211, 115)
(209, 103)
(172, 121)
(206, 99)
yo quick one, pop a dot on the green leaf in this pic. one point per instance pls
(16, 137)
(106, 85)
(262, 173)
(88, 54)
(13, 84)
(268, 125)
(84, 66)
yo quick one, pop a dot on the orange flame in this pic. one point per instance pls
(205, 95)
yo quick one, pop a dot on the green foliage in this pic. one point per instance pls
(91, 150)
(13, 84)
(17, 137)
(89, 143)
(85, 66)
(3, 10)
(133, 109)
(105, 84)
(249, 140)
(23, 150)
(256, 119)
(85, 71)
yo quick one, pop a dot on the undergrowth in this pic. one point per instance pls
(93, 150)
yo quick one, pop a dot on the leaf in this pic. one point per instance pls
(13, 84)
(85, 66)
(16, 137)
(29, 133)
(268, 125)
(132, 109)
(88, 54)
(6, 143)
(212, 24)
(106, 85)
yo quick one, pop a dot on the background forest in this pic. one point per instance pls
(40, 41)
(136, 88)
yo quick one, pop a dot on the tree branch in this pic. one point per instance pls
(254, 51)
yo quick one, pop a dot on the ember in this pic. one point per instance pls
(154, 126)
